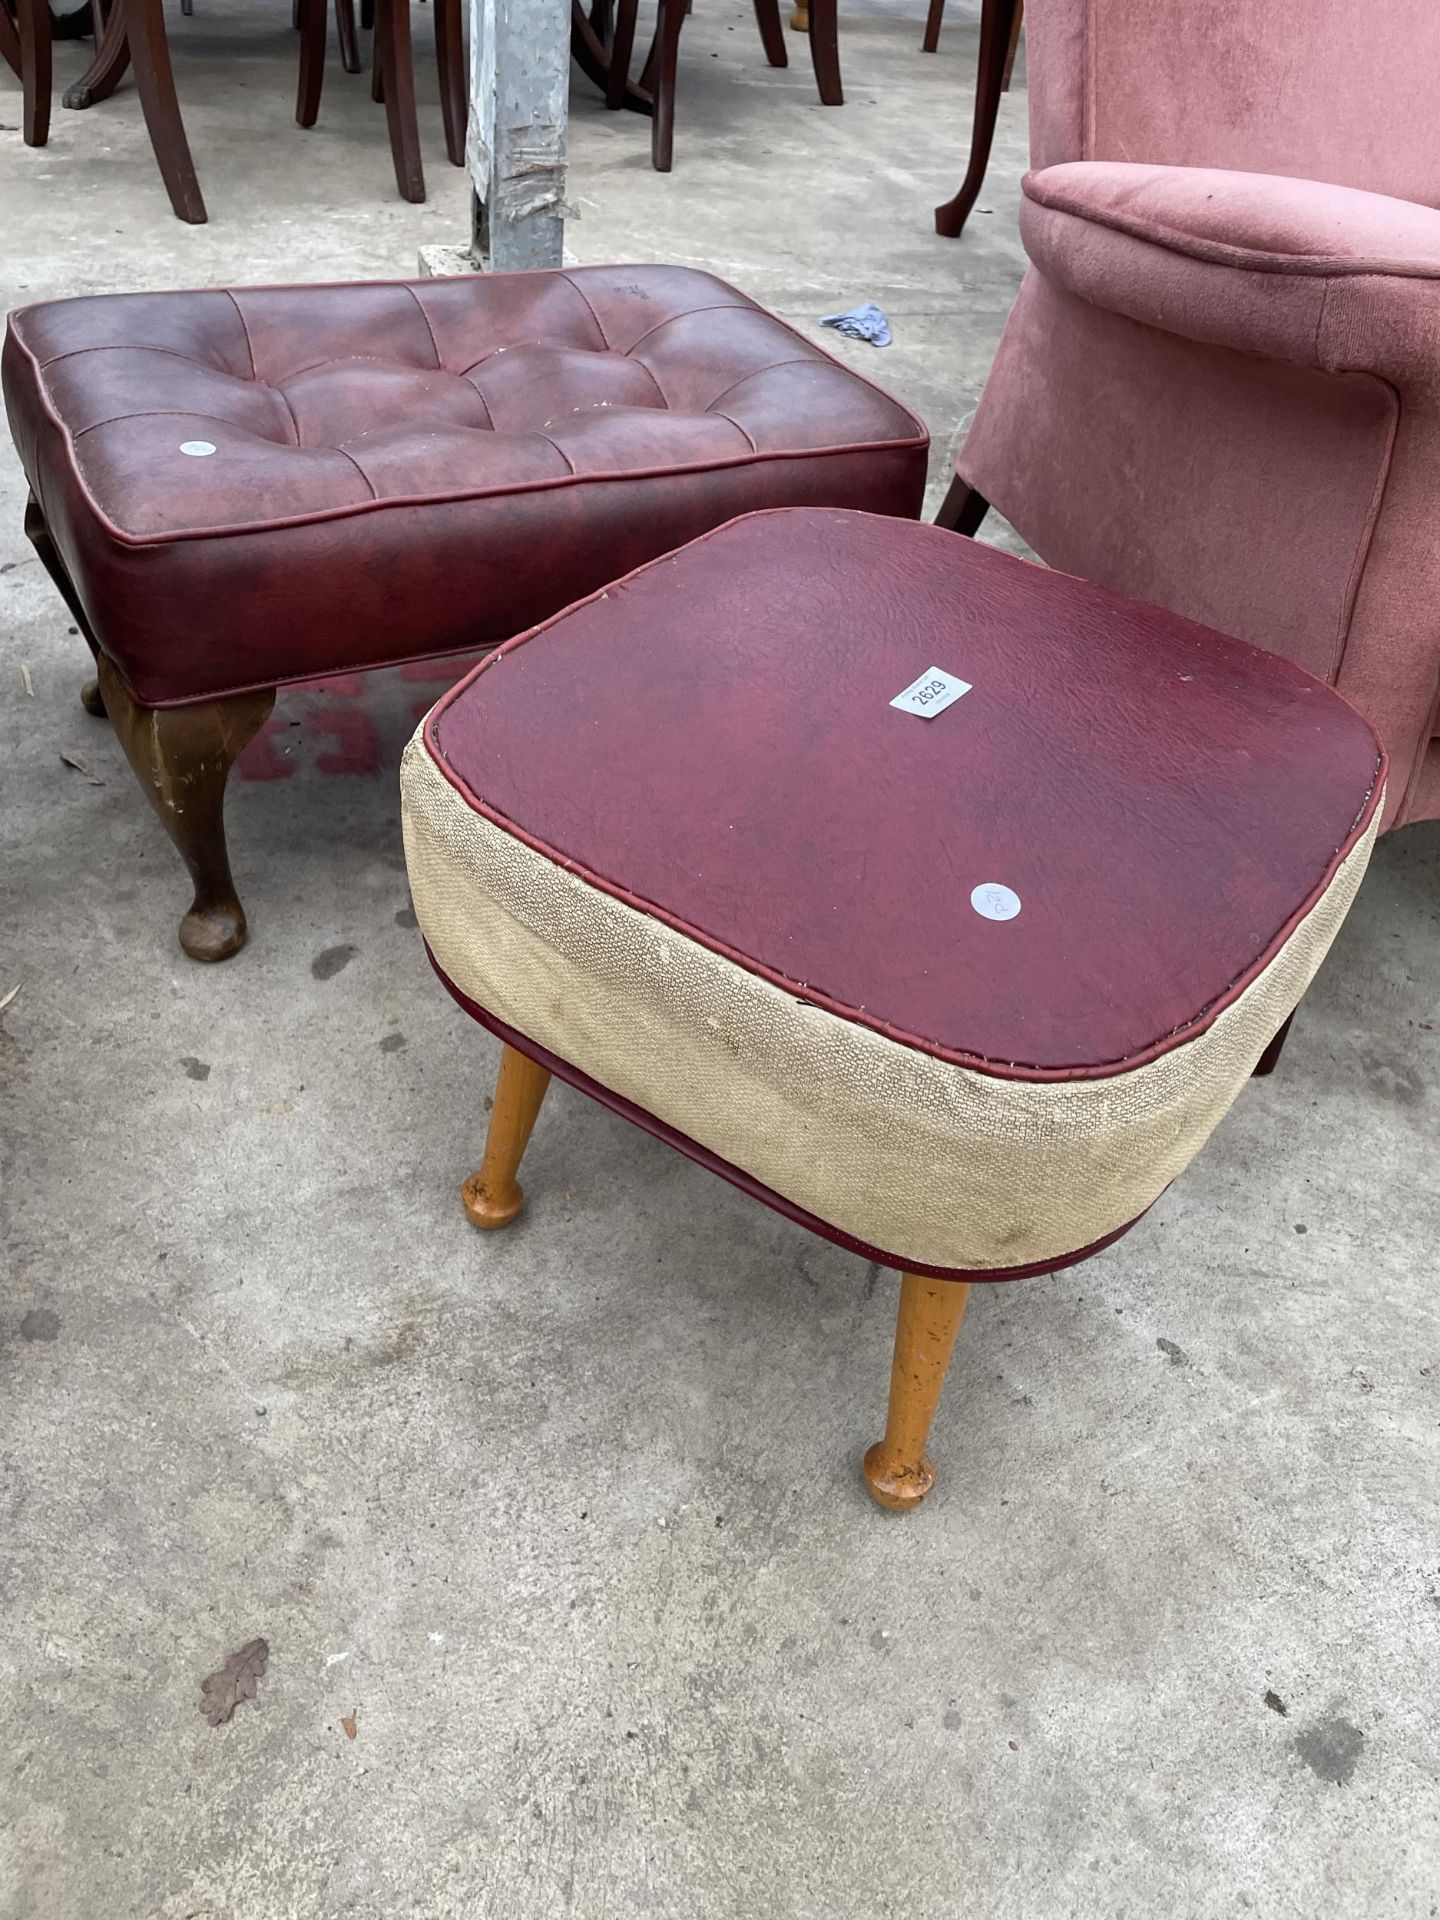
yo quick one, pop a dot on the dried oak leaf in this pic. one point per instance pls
(221, 1692)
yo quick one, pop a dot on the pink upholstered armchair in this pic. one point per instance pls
(1219, 388)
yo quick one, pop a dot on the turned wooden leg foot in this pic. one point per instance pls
(182, 757)
(92, 700)
(492, 1197)
(896, 1470)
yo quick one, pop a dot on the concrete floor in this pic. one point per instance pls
(567, 1523)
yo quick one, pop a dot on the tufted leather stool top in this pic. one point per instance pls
(963, 992)
(252, 486)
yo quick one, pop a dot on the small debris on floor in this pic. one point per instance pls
(1273, 1701)
(25, 680)
(81, 765)
(222, 1691)
(865, 322)
(349, 1723)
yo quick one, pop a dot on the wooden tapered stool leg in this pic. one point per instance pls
(1270, 1058)
(182, 757)
(492, 1197)
(896, 1469)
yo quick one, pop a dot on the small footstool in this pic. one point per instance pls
(239, 488)
(940, 902)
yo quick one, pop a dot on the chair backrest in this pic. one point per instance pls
(1346, 91)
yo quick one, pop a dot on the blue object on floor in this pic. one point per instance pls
(865, 322)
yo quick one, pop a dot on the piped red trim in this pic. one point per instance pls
(812, 996)
(122, 536)
(747, 1183)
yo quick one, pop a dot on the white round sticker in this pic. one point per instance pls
(197, 448)
(995, 902)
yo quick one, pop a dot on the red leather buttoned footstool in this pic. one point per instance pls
(235, 489)
(941, 902)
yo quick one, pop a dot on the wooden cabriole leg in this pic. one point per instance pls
(38, 534)
(10, 43)
(454, 88)
(33, 21)
(112, 57)
(622, 45)
(345, 33)
(772, 33)
(1013, 48)
(160, 104)
(896, 1470)
(666, 57)
(492, 1197)
(313, 22)
(997, 23)
(182, 757)
(394, 68)
(824, 31)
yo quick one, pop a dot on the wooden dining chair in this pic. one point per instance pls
(999, 37)
(25, 37)
(657, 79)
(393, 77)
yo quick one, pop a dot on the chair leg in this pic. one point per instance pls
(33, 21)
(393, 34)
(772, 32)
(997, 19)
(314, 24)
(1270, 1058)
(621, 47)
(963, 509)
(667, 60)
(10, 42)
(931, 42)
(454, 89)
(825, 51)
(107, 69)
(182, 757)
(346, 35)
(896, 1470)
(492, 1197)
(1013, 48)
(155, 83)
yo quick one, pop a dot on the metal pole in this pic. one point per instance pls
(519, 101)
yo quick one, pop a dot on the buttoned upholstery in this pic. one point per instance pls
(679, 845)
(414, 468)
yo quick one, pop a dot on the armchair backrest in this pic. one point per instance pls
(1346, 91)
